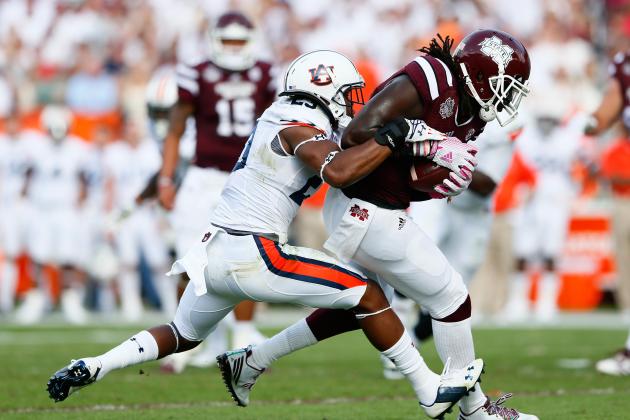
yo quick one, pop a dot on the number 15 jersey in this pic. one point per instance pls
(226, 104)
(268, 185)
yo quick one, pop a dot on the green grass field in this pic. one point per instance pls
(339, 379)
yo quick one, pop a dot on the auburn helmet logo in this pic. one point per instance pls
(320, 76)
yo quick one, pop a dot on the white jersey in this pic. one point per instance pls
(57, 169)
(15, 160)
(267, 185)
(551, 156)
(494, 157)
(130, 168)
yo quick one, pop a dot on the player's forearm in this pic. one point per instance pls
(170, 156)
(608, 111)
(177, 125)
(349, 166)
(482, 184)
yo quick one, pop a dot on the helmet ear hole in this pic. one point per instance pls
(479, 76)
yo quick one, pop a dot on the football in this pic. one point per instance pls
(426, 174)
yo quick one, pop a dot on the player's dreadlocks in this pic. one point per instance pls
(440, 48)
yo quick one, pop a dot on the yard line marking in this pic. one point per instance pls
(298, 402)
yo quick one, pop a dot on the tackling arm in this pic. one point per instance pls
(338, 168)
(398, 99)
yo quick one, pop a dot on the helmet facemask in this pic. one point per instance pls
(345, 99)
(507, 94)
(232, 47)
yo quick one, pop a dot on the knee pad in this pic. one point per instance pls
(449, 299)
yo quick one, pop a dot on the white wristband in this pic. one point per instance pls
(328, 159)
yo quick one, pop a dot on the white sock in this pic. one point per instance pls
(293, 338)
(140, 348)
(408, 361)
(129, 287)
(546, 305)
(628, 342)
(7, 285)
(517, 306)
(454, 340)
(242, 326)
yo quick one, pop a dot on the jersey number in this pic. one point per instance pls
(236, 117)
(307, 190)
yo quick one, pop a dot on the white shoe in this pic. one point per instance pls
(496, 411)
(78, 374)
(390, 371)
(238, 374)
(618, 365)
(72, 307)
(454, 384)
(32, 309)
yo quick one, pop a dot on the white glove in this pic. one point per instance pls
(456, 155)
(419, 131)
(454, 184)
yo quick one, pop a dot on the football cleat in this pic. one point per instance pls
(454, 384)
(78, 374)
(496, 411)
(238, 374)
(617, 365)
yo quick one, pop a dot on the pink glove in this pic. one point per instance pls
(457, 156)
(453, 185)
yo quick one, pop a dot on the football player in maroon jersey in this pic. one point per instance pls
(457, 93)
(225, 95)
(615, 106)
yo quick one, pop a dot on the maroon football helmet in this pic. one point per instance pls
(495, 67)
(232, 39)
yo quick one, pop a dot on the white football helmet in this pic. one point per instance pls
(56, 120)
(160, 96)
(232, 39)
(330, 79)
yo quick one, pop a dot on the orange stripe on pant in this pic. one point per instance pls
(306, 269)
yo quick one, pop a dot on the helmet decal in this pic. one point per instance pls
(498, 51)
(320, 76)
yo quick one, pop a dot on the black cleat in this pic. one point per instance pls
(71, 378)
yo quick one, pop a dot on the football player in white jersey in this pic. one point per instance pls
(14, 164)
(550, 147)
(56, 188)
(244, 254)
(129, 164)
(224, 94)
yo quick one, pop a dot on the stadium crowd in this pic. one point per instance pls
(81, 67)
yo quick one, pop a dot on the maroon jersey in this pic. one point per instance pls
(388, 186)
(620, 70)
(227, 104)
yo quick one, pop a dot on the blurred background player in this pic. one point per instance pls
(225, 95)
(550, 146)
(14, 212)
(616, 170)
(57, 189)
(129, 164)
